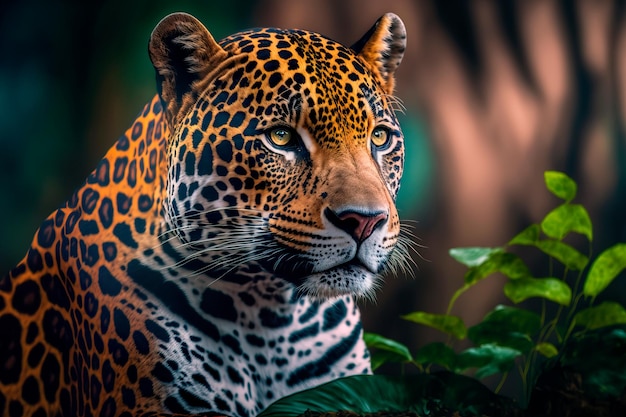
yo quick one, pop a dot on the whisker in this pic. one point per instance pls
(218, 240)
(410, 235)
(241, 261)
(236, 246)
(396, 103)
(215, 210)
(217, 228)
(401, 260)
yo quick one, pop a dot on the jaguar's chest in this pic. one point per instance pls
(238, 351)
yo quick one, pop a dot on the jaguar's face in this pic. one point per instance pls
(290, 157)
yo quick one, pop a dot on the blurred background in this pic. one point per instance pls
(496, 93)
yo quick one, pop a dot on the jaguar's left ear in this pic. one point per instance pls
(383, 47)
(182, 51)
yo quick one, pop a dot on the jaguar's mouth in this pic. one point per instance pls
(353, 263)
(350, 278)
(300, 269)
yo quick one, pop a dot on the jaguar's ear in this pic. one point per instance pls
(182, 51)
(383, 47)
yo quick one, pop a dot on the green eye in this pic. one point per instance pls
(280, 136)
(380, 136)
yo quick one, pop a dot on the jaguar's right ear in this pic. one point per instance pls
(182, 52)
(383, 47)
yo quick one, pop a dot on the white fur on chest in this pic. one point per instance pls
(268, 345)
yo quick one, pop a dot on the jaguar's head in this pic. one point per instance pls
(285, 152)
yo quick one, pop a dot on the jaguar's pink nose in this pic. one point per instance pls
(359, 225)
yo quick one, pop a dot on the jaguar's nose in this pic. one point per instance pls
(360, 225)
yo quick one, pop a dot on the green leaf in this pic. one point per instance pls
(528, 236)
(489, 359)
(380, 357)
(604, 269)
(361, 394)
(517, 319)
(549, 288)
(546, 349)
(386, 350)
(512, 266)
(474, 256)
(567, 218)
(608, 313)
(443, 393)
(506, 263)
(492, 334)
(497, 261)
(507, 326)
(560, 185)
(564, 253)
(436, 353)
(448, 324)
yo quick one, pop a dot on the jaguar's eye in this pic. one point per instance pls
(280, 136)
(380, 136)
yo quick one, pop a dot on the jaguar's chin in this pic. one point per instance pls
(351, 278)
(347, 279)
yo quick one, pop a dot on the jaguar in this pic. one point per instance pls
(212, 261)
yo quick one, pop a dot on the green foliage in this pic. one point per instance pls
(509, 336)
(604, 315)
(547, 349)
(604, 269)
(489, 359)
(473, 256)
(563, 253)
(451, 325)
(362, 393)
(438, 353)
(600, 359)
(560, 185)
(567, 218)
(386, 350)
(507, 326)
(549, 288)
(425, 394)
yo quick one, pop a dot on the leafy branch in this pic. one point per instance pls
(512, 335)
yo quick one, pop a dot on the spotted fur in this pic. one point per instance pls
(210, 261)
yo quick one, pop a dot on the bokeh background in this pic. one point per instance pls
(496, 93)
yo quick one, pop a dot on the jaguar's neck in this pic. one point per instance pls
(136, 167)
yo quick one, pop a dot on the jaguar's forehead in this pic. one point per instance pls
(292, 52)
(297, 70)
(274, 39)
